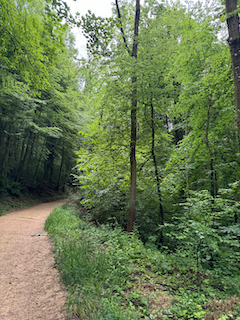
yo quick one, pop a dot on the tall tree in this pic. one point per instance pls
(133, 165)
(39, 94)
(234, 46)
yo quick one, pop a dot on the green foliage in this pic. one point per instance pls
(106, 271)
(94, 263)
(207, 230)
(39, 95)
(188, 306)
(103, 165)
(98, 32)
(9, 187)
(184, 74)
(103, 178)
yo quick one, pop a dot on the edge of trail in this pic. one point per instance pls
(29, 285)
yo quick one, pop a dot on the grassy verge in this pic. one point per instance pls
(110, 275)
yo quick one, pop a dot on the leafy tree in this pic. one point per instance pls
(204, 107)
(133, 169)
(39, 95)
(234, 46)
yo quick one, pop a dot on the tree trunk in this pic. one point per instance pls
(133, 165)
(1, 144)
(6, 156)
(22, 151)
(39, 161)
(22, 162)
(60, 170)
(212, 184)
(51, 162)
(27, 173)
(161, 216)
(234, 46)
(187, 175)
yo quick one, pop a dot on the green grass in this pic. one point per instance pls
(111, 275)
(95, 264)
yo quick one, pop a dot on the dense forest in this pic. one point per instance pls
(146, 128)
(40, 98)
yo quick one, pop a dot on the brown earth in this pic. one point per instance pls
(29, 285)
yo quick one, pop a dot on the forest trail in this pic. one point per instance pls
(29, 286)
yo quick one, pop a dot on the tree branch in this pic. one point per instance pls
(121, 28)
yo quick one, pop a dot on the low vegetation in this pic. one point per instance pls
(148, 128)
(111, 274)
(14, 195)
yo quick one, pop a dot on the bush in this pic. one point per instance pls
(9, 187)
(111, 275)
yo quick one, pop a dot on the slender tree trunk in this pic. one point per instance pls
(60, 170)
(29, 157)
(51, 162)
(1, 144)
(22, 151)
(234, 46)
(39, 161)
(161, 216)
(187, 178)
(22, 154)
(6, 156)
(16, 150)
(212, 188)
(22, 162)
(133, 165)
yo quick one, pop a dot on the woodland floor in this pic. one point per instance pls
(29, 285)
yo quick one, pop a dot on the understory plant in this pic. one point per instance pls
(95, 265)
(110, 274)
(207, 231)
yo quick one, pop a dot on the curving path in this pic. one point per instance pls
(29, 286)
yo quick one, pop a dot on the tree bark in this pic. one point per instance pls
(121, 27)
(161, 216)
(234, 46)
(39, 161)
(27, 173)
(6, 155)
(22, 162)
(133, 165)
(60, 170)
(48, 165)
(187, 175)
(212, 184)
(1, 144)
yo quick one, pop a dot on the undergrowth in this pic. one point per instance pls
(111, 275)
(14, 196)
(9, 203)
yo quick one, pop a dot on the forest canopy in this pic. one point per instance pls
(40, 97)
(143, 124)
(146, 129)
(179, 87)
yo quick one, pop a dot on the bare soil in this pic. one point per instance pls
(29, 285)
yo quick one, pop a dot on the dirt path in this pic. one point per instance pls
(29, 287)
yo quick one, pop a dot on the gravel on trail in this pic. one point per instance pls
(29, 285)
